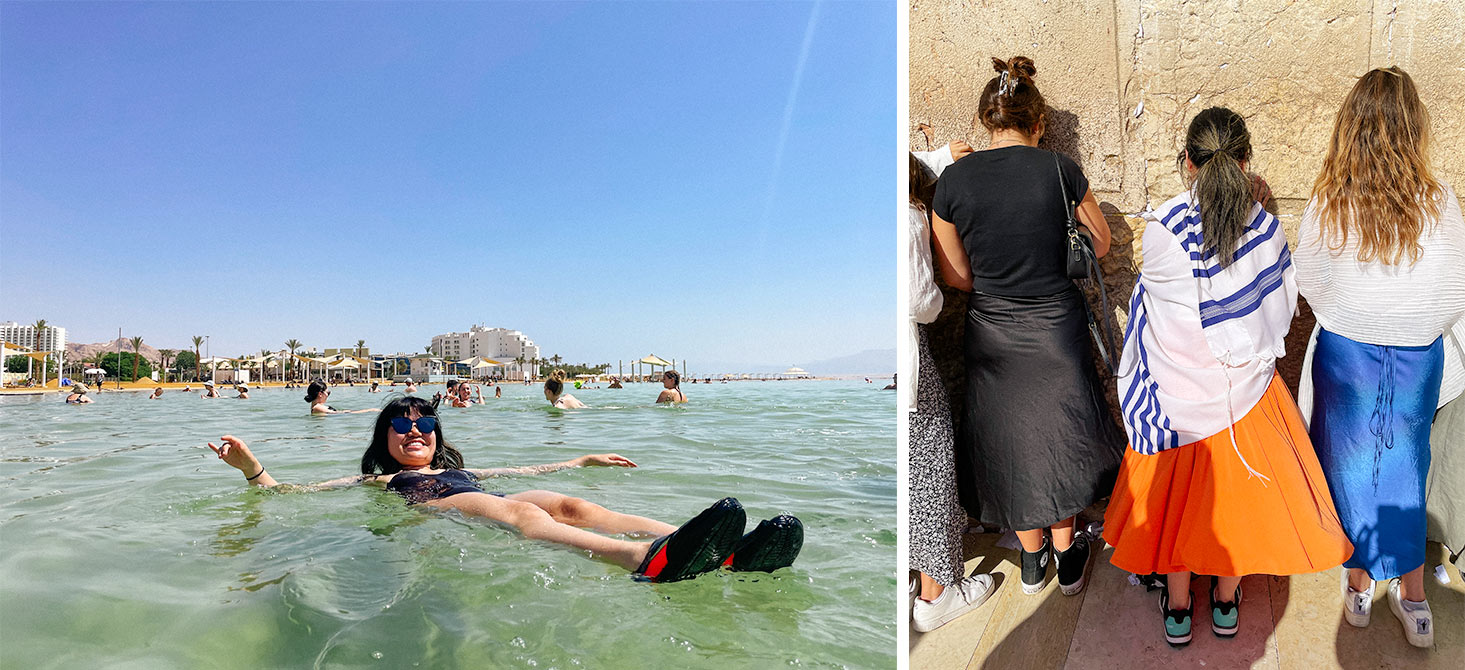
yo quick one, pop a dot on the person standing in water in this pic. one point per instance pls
(554, 392)
(672, 388)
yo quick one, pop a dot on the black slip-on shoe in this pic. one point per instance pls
(774, 544)
(699, 546)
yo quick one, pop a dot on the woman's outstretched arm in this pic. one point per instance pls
(237, 454)
(610, 460)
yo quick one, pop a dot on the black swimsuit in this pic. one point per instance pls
(417, 487)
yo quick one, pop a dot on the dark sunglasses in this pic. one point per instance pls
(403, 425)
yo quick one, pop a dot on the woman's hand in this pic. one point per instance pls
(959, 148)
(610, 460)
(237, 454)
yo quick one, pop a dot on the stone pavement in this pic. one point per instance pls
(1287, 623)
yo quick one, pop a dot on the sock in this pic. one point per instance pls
(1411, 606)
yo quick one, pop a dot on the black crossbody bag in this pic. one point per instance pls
(1081, 263)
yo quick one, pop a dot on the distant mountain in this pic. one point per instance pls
(876, 362)
(871, 362)
(76, 352)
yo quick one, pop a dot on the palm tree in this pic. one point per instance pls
(163, 356)
(292, 344)
(136, 354)
(360, 345)
(519, 361)
(555, 359)
(197, 361)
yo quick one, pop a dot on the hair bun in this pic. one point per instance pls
(1022, 66)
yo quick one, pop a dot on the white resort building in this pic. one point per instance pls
(51, 338)
(500, 344)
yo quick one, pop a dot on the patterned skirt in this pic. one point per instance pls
(936, 518)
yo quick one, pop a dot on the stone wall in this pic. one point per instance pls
(1124, 77)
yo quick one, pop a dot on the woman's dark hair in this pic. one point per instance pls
(378, 460)
(313, 391)
(676, 379)
(1216, 143)
(1011, 99)
(555, 382)
(922, 183)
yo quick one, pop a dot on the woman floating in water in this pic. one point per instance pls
(409, 455)
(673, 388)
(554, 388)
(317, 394)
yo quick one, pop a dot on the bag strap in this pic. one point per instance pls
(1102, 339)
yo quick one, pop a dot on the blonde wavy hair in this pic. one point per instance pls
(1376, 182)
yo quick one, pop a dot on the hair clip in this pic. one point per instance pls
(1004, 84)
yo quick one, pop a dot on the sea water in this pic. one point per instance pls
(125, 543)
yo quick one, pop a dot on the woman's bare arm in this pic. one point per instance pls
(956, 268)
(610, 460)
(1092, 219)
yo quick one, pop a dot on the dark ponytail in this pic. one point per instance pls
(1217, 143)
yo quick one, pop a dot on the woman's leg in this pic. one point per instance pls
(1359, 580)
(585, 514)
(1032, 540)
(536, 524)
(1411, 585)
(1178, 584)
(1062, 534)
(930, 588)
(1226, 589)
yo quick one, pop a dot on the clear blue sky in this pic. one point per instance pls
(708, 181)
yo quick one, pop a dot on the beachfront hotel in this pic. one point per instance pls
(51, 338)
(500, 344)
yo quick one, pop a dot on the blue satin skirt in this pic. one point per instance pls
(1372, 410)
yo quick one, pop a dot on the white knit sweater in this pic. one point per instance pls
(1404, 305)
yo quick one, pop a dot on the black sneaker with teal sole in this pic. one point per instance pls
(1177, 622)
(1225, 617)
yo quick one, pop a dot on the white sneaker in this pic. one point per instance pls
(956, 600)
(1357, 605)
(1418, 623)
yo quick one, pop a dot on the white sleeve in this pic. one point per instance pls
(1313, 262)
(937, 161)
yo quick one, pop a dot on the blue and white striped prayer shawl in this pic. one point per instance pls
(1202, 342)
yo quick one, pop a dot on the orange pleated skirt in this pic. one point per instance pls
(1197, 508)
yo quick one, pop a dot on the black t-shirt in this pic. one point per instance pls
(1006, 206)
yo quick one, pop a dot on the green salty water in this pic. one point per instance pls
(125, 543)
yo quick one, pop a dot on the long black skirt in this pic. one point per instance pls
(1038, 443)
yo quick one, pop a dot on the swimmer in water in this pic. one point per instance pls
(409, 455)
(554, 388)
(374, 388)
(157, 393)
(672, 391)
(243, 392)
(498, 391)
(411, 385)
(317, 393)
(187, 388)
(209, 391)
(78, 395)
